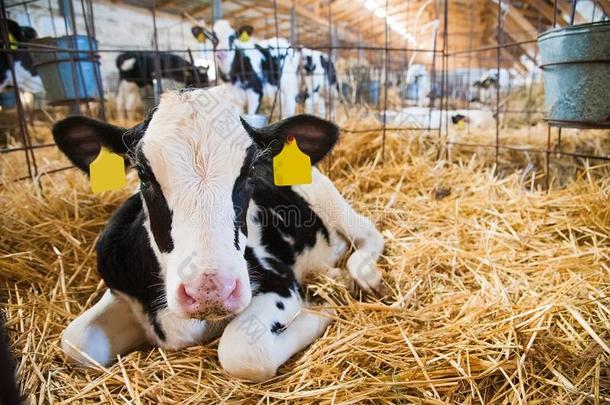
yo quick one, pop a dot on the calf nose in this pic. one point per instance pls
(210, 293)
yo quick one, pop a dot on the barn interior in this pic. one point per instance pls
(494, 205)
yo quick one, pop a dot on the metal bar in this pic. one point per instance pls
(89, 27)
(518, 149)
(25, 135)
(493, 47)
(573, 11)
(159, 88)
(445, 87)
(45, 173)
(22, 148)
(21, 3)
(385, 86)
(499, 62)
(49, 48)
(216, 10)
(547, 158)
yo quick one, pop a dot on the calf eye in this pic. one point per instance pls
(252, 172)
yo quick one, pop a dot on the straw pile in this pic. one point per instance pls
(497, 292)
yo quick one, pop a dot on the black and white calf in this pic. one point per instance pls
(27, 77)
(137, 70)
(256, 68)
(209, 246)
(320, 76)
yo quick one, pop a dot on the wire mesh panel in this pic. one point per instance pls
(466, 73)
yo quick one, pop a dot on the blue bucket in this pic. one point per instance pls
(7, 99)
(374, 91)
(412, 91)
(68, 76)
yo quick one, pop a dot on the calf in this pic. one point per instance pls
(485, 89)
(137, 70)
(320, 75)
(209, 246)
(26, 75)
(255, 68)
(288, 60)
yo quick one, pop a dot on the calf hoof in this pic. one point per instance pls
(362, 268)
(86, 346)
(245, 364)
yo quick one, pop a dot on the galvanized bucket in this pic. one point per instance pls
(575, 62)
(68, 76)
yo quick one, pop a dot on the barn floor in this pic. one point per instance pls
(498, 292)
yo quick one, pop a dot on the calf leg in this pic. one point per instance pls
(357, 229)
(267, 334)
(253, 101)
(102, 332)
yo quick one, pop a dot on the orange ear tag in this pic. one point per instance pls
(291, 167)
(107, 172)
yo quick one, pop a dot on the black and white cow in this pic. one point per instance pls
(209, 246)
(27, 77)
(256, 68)
(137, 70)
(320, 75)
(485, 88)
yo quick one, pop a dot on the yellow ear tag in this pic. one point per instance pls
(461, 125)
(12, 40)
(244, 37)
(107, 172)
(201, 38)
(291, 167)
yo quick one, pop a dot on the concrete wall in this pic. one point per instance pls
(118, 27)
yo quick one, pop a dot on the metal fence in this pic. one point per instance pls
(450, 74)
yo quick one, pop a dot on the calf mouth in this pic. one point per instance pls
(213, 315)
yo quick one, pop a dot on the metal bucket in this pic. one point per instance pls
(576, 69)
(255, 120)
(68, 76)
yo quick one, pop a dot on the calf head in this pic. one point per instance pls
(197, 165)
(225, 38)
(197, 77)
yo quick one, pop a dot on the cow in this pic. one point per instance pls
(288, 62)
(26, 75)
(485, 88)
(320, 75)
(476, 119)
(209, 246)
(255, 68)
(137, 70)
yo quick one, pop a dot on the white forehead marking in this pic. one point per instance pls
(195, 145)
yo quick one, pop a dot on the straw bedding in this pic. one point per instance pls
(497, 292)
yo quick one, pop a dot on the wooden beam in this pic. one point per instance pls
(605, 6)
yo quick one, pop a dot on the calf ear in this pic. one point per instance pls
(81, 138)
(315, 136)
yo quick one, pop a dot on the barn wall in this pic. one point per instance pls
(117, 26)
